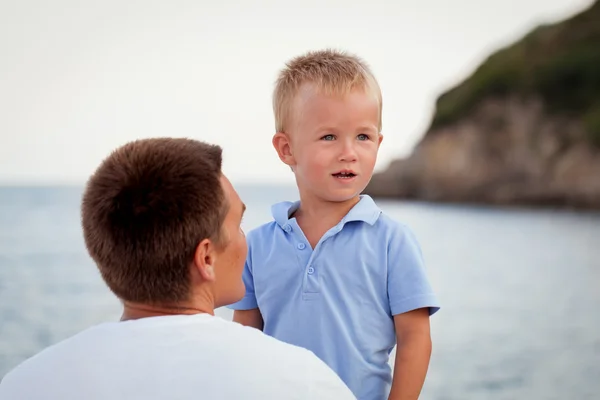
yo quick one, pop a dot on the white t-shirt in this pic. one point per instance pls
(182, 357)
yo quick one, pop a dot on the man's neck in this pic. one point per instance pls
(196, 305)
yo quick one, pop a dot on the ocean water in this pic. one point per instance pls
(520, 290)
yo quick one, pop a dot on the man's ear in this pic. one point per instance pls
(281, 142)
(380, 139)
(204, 260)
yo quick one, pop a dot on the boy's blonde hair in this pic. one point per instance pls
(333, 72)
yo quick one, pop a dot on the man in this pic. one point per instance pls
(162, 223)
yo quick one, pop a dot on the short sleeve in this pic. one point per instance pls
(249, 301)
(408, 286)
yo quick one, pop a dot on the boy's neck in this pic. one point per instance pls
(316, 216)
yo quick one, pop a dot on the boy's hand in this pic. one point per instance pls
(252, 318)
(413, 352)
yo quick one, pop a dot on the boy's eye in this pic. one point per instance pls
(328, 137)
(363, 136)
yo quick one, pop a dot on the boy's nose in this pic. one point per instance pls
(348, 153)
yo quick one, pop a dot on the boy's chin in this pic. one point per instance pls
(340, 196)
(333, 194)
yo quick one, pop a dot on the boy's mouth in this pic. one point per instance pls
(345, 174)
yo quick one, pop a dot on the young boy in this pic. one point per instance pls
(332, 273)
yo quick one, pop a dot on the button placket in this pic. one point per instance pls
(311, 278)
(296, 238)
(311, 285)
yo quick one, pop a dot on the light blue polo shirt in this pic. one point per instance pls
(338, 299)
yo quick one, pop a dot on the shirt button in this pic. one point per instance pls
(287, 228)
(311, 270)
(301, 246)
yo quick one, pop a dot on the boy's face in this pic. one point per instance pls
(333, 142)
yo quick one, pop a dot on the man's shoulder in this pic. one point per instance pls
(50, 360)
(219, 342)
(262, 342)
(281, 358)
(275, 360)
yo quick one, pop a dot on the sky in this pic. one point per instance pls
(80, 78)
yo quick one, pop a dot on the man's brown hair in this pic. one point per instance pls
(144, 212)
(331, 71)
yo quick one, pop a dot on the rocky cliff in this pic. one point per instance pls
(524, 129)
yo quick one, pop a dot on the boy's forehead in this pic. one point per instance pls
(307, 96)
(312, 91)
(303, 101)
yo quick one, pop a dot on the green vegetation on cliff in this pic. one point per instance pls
(559, 63)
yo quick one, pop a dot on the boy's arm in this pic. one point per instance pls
(412, 354)
(412, 302)
(251, 318)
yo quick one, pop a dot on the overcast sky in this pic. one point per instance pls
(79, 78)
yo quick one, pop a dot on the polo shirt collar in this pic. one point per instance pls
(364, 211)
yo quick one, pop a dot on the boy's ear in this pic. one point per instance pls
(282, 144)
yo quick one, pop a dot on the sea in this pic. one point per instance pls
(519, 289)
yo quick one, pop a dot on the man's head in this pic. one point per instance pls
(159, 218)
(328, 108)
